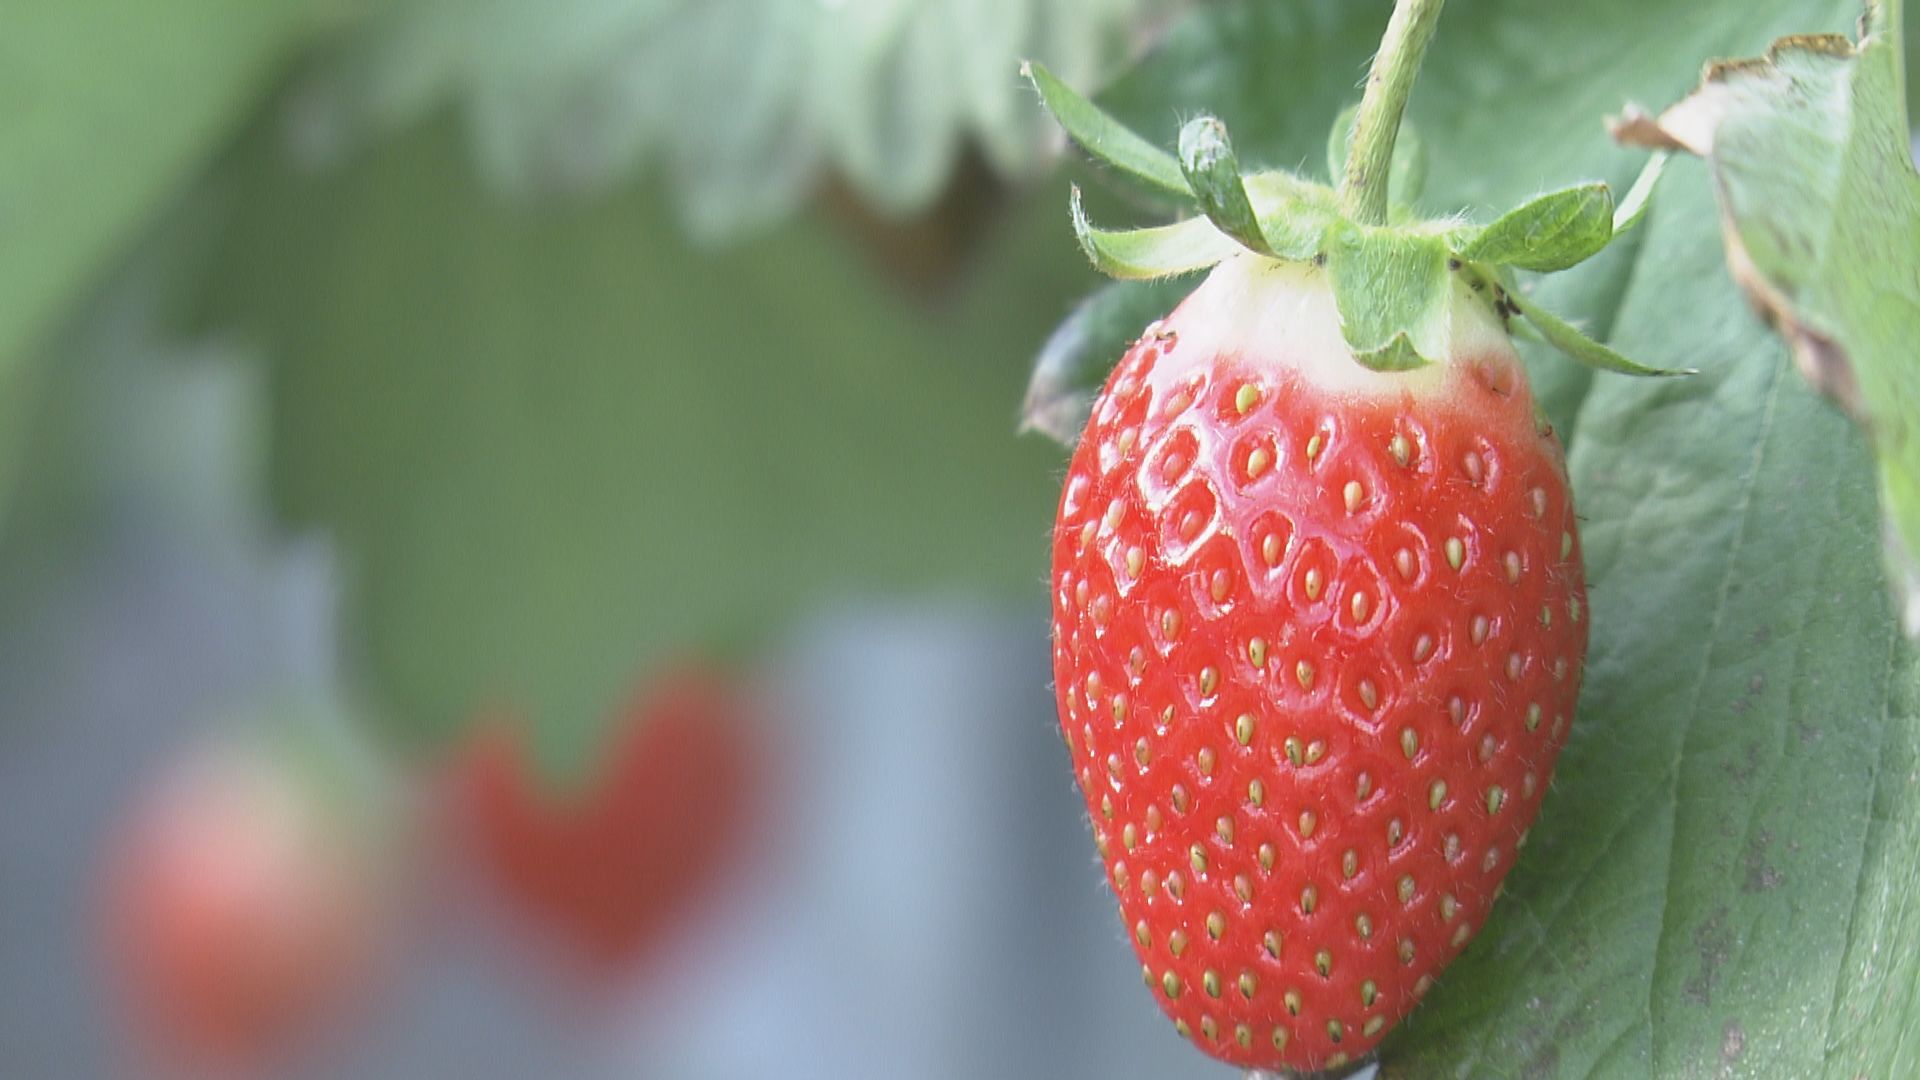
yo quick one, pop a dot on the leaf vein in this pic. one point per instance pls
(1887, 727)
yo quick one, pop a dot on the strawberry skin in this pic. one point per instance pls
(1318, 634)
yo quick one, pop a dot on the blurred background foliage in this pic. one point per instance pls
(549, 448)
(589, 333)
(743, 105)
(556, 432)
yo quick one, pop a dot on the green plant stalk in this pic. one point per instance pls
(1363, 190)
(1886, 18)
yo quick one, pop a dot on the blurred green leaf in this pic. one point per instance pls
(557, 447)
(1719, 883)
(744, 104)
(108, 109)
(1075, 360)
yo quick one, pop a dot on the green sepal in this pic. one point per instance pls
(1389, 286)
(1294, 214)
(1549, 232)
(1155, 252)
(1396, 355)
(1104, 137)
(1213, 175)
(1522, 330)
(1633, 205)
(1406, 177)
(1566, 337)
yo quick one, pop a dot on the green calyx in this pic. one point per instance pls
(1392, 273)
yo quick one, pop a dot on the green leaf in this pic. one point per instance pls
(1155, 252)
(1105, 138)
(1213, 175)
(1810, 155)
(1406, 177)
(1549, 232)
(592, 449)
(1710, 887)
(1568, 339)
(110, 108)
(1392, 290)
(1073, 364)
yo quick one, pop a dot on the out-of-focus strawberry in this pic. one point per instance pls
(243, 907)
(606, 868)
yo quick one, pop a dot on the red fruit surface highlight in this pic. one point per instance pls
(241, 910)
(1318, 634)
(609, 867)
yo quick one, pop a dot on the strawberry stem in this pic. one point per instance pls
(1363, 190)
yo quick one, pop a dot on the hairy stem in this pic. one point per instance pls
(1363, 190)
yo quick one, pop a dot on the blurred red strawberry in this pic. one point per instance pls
(607, 867)
(242, 906)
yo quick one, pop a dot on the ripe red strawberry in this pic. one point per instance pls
(1318, 607)
(1318, 635)
(607, 869)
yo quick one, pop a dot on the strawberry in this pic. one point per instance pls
(1317, 640)
(607, 869)
(1319, 615)
(243, 906)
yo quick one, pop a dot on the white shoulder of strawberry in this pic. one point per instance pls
(1281, 313)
